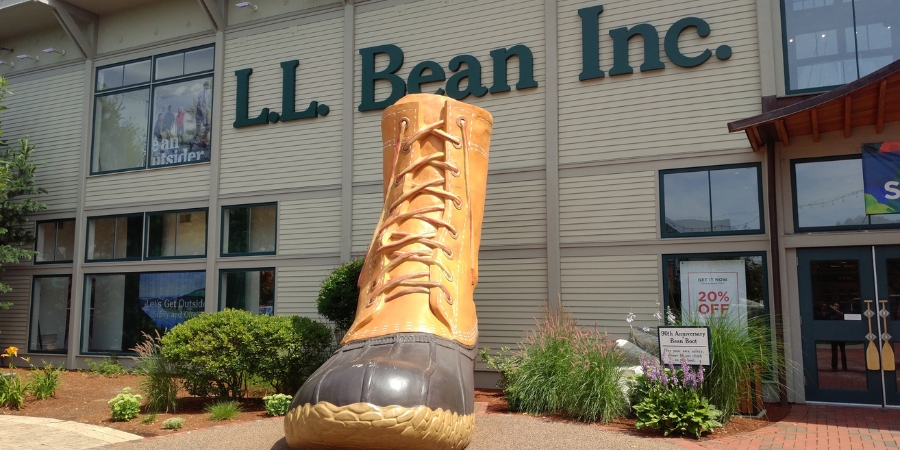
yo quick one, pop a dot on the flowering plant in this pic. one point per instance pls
(669, 400)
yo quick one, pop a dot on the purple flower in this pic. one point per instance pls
(630, 317)
(646, 329)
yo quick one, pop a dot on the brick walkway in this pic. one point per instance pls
(818, 427)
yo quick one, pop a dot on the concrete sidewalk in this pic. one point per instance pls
(806, 427)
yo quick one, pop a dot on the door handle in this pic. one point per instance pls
(873, 362)
(887, 350)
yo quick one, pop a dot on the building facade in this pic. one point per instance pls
(200, 154)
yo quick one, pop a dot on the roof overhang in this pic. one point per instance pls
(871, 100)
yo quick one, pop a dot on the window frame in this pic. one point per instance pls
(796, 212)
(662, 202)
(146, 239)
(222, 272)
(86, 309)
(34, 278)
(150, 85)
(222, 252)
(37, 230)
(87, 237)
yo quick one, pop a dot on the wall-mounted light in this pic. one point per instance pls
(246, 5)
(36, 58)
(53, 50)
(10, 64)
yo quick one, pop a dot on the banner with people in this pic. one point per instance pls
(881, 177)
(182, 122)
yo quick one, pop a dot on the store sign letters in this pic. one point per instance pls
(466, 69)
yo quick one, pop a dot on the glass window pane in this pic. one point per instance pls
(199, 60)
(877, 35)
(120, 130)
(820, 52)
(122, 306)
(262, 228)
(46, 242)
(109, 78)
(687, 202)
(101, 238)
(137, 72)
(754, 281)
(252, 290)
(170, 66)
(115, 238)
(161, 235)
(830, 193)
(191, 238)
(849, 374)
(50, 313)
(65, 240)
(181, 123)
(237, 230)
(735, 199)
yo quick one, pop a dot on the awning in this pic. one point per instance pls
(871, 100)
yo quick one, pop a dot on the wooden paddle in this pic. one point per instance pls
(873, 362)
(887, 350)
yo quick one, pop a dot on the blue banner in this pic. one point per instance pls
(881, 177)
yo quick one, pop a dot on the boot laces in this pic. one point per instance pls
(392, 242)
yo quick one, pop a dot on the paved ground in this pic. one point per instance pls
(807, 427)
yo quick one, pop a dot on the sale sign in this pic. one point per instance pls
(881, 177)
(714, 287)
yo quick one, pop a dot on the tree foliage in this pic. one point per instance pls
(17, 170)
(339, 294)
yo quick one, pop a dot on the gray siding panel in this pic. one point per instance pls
(297, 290)
(309, 226)
(515, 213)
(14, 321)
(612, 207)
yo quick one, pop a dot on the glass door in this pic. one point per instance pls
(850, 308)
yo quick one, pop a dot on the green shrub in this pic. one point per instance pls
(125, 406)
(149, 418)
(45, 381)
(672, 401)
(563, 369)
(278, 404)
(12, 391)
(339, 294)
(159, 383)
(107, 367)
(734, 351)
(290, 350)
(213, 352)
(223, 410)
(173, 423)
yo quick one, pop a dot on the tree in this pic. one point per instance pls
(16, 186)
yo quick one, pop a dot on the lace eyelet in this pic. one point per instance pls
(449, 254)
(454, 234)
(448, 276)
(457, 203)
(449, 300)
(398, 181)
(455, 171)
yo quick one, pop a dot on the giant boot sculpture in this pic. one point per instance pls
(403, 376)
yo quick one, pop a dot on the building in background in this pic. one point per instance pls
(200, 154)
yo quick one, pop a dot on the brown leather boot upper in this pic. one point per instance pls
(422, 265)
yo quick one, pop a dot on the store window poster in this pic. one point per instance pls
(182, 122)
(709, 288)
(881, 177)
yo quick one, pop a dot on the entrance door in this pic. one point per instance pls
(850, 308)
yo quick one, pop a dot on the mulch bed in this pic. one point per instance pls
(738, 424)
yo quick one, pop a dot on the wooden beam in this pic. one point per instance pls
(753, 136)
(882, 95)
(782, 132)
(814, 118)
(847, 105)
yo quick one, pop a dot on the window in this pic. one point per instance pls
(176, 234)
(250, 290)
(739, 278)
(119, 307)
(111, 238)
(55, 241)
(50, 302)
(159, 106)
(828, 43)
(248, 229)
(711, 201)
(828, 196)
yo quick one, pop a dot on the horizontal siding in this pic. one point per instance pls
(309, 226)
(510, 295)
(602, 290)
(515, 213)
(297, 289)
(366, 210)
(297, 153)
(152, 22)
(426, 31)
(54, 126)
(14, 321)
(669, 111)
(612, 207)
(164, 184)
